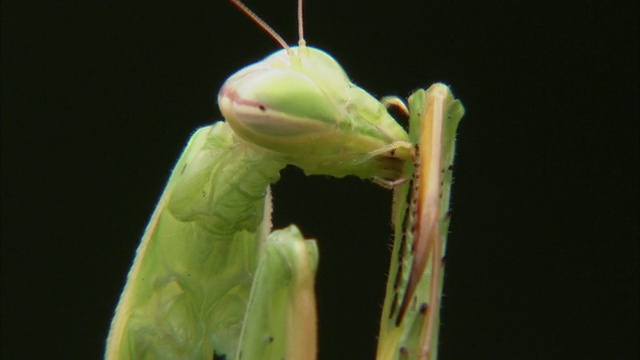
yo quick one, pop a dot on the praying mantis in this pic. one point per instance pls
(210, 280)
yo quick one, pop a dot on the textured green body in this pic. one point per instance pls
(188, 288)
(209, 281)
(402, 335)
(187, 292)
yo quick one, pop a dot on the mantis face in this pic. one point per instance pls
(299, 102)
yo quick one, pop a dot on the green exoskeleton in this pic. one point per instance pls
(210, 280)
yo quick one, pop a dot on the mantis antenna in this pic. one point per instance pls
(301, 42)
(261, 23)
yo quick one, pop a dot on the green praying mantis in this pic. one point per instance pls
(210, 280)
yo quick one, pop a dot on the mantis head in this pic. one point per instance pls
(300, 102)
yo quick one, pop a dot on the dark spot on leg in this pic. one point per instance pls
(448, 216)
(404, 353)
(423, 308)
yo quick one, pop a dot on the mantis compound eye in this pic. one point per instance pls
(300, 102)
(275, 107)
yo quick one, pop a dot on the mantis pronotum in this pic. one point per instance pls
(210, 282)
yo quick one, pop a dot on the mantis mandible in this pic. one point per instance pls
(211, 281)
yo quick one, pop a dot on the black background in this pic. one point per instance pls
(98, 99)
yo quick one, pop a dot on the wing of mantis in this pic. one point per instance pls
(410, 319)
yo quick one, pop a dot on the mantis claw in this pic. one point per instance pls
(389, 184)
(396, 102)
(400, 149)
